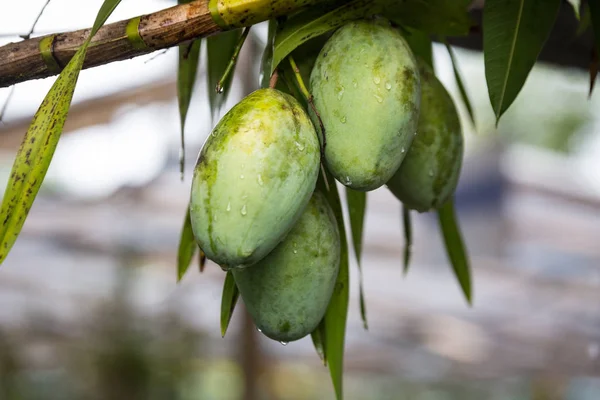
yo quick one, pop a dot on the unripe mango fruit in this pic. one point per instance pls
(429, 173)
(254, 176)
(366, 88)
(287, 293)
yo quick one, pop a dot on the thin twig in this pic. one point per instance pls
(158, 54)
(309, 100)
(27, 36)
(5, 105)
(232, 62)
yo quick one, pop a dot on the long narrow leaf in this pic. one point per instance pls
(407, 225)
(514, 32)
(313, 23)
(228, 301)
(318, 339)
(189, 56)
(459, 82)
(337, 311)
(187, 246)
(220, 49)
(38, 146)
(594, 17)
(455, 248)
(357, 202)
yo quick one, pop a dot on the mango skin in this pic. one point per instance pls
(428, 176)
(288, 292)
(366, 88)
(254, 176)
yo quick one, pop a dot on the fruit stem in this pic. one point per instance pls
(309, 99)
(232, 62)
(273, 80)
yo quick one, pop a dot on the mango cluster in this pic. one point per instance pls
(255, 208)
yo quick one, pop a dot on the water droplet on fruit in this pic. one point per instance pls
(229, 206)
(379, 98)
(343, 119)
(259, 179)
(284, 343)
(242, 176)
(243, 211)
(403, 150)
(295, 251)
(300, 146)
(258, 329)
(388, 86)
(376, 80)
(340, 94)
(354, 83)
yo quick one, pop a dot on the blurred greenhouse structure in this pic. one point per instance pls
(89, 303)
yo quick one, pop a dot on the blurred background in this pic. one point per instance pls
(90, 307)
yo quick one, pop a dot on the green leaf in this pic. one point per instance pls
(201, 260)
(455, 248)
(420, 44)
(220, 49)
(576, 4)
(459, 82)
(407, 225)
(442, 17)
(314, 22)
(105, 11)
(514, 32)
(318, 339)
(267, 58)
(337, 311)
(189, 56)
(228, 301)
(187, 246)
(594, 18)
(357, 202)
(38, 146)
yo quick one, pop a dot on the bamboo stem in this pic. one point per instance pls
(23, 61)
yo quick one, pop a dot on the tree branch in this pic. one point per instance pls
(23, 61)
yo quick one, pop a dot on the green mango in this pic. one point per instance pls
(287, 293)
(429, 173)
(254, 176)
(366, 88)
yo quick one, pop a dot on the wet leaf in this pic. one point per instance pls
(38, 146)
(514, 32)
(455, 248)
(357, 202)
(187, 246)
(220, 49)
(228, 301)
